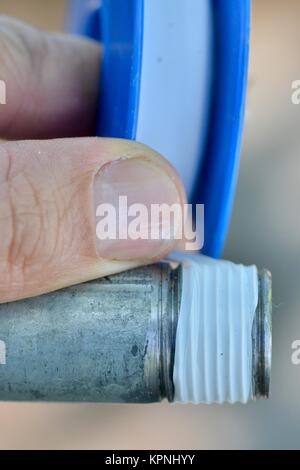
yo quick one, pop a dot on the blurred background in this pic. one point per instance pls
(265, 230)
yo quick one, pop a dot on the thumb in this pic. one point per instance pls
(50, 194)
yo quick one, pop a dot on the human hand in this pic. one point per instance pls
(50, 189)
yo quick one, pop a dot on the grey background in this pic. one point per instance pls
(265, 230)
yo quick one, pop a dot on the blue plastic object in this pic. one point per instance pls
(217, 181)
(119, 25)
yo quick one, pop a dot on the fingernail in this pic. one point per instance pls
(127, 191)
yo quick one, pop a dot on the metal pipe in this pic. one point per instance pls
(109, 340)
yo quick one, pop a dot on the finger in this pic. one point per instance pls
(51, 83)
(49, 193)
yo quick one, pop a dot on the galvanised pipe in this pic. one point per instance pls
(116, 340)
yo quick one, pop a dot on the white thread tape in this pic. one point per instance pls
(213, 354)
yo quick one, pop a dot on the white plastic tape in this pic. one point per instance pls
(176, 82)
(213, 354)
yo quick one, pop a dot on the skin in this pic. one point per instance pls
(48, 167)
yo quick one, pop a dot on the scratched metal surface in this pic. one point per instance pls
(95, 342)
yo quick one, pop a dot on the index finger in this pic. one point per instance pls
(50, 82)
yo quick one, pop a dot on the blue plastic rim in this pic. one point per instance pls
(118, 24)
